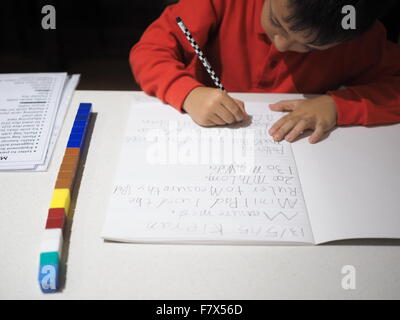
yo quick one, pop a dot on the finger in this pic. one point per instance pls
(284, 129)
(216, 120)
(285, 105)
(233, 108)
(277, 125)
(209, 123)
(224, 114)
(297, 130)
(317, 135)
(206, 124)
(241, 106)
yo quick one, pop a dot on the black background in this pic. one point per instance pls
(92, 38)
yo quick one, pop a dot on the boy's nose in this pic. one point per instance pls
(281, 43)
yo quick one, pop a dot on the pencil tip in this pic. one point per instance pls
(178, 19)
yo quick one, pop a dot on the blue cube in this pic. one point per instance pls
(84, 108)
(82, 117)
(75, 143)
(48, 278)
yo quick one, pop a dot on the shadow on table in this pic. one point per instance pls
(364, 242)
(75, 192)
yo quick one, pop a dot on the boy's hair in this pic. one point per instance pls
(323, 18)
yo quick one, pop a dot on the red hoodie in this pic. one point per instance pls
(231, 36)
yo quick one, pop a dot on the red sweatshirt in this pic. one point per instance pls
(231, 36)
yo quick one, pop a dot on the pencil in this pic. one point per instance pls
(200, 54)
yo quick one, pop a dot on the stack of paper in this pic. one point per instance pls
(32, 110)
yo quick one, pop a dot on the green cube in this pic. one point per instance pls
(49, 258)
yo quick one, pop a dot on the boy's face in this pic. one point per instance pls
(273, 22)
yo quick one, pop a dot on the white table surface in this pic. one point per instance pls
(103, 270)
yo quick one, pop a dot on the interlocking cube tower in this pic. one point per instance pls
(52, 242)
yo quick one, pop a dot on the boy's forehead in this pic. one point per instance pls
(281, 7)
(283, 11)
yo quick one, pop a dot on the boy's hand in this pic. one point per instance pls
(210, 107)
(318, 114)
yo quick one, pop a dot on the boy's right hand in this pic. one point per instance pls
(212, 107)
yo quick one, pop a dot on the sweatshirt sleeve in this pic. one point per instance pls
(160, 60)
(372, 96)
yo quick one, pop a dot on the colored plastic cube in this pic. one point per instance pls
(52, 241)
(49, 272)
(61, 199)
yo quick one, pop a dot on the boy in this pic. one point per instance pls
(276, 46)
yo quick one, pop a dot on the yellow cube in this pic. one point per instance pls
(61, 199)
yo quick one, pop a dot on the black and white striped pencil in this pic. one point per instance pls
(200, 54)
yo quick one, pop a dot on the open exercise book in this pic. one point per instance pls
(177, 182)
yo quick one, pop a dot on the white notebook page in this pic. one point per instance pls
(169, 192)
(351, 183)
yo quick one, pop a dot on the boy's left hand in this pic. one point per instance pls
(318, 114)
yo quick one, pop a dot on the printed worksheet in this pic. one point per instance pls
(32, 109)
